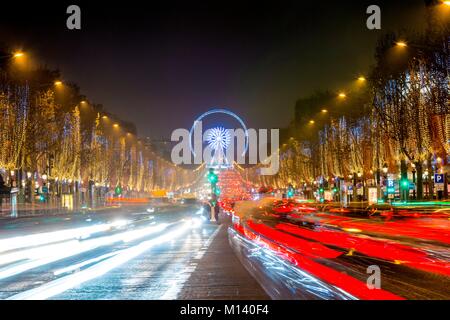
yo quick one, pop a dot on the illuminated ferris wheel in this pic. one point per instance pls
(218, 140)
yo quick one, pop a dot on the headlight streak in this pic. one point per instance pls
(35, 253)
(60, 285)
(55, 236)
(280, 279)
(85, 263)
(76, 247)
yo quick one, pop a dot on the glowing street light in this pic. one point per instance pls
(447, 3)
(18, 54)
(401, 44)
(104, 117)
(324, 111)
(58, 83)
(115, 125)
(361, 79)
(311, 121)
(342, 95)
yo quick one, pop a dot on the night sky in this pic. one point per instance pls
(161, 65)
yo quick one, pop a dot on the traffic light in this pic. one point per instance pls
(321, 190)
(118, 190)
(290, 191)
(212, 177)
(405, 183)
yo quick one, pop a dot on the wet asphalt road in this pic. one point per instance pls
(127, 253)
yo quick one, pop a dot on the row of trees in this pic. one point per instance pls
(50, 132)
(394, 121)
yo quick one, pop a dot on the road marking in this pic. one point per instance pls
(177, 284)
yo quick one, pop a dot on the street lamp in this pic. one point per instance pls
(18, 54)
(361, 78)
(13, 55)
(385, 168)
(58, 83)
(311, 121)
(324, 110)
(342, 95)
(401, 44)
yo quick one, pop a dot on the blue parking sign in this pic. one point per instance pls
(439, 178)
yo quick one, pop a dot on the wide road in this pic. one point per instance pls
(127, 253)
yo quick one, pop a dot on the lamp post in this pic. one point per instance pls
(385, 171)
(354, 186)
(359, 174)
(414, 179)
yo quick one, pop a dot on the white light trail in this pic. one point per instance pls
(73, 248)
(60, 285)
(56, 236)
(85, 263)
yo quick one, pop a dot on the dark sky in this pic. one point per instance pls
(162, 64)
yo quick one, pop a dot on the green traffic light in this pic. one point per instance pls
(212, 177)
(405, 183)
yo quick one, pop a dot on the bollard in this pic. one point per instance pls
(213, 214)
